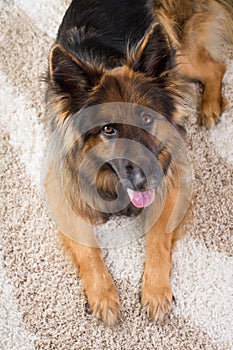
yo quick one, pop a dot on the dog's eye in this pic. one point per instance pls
(108, 130)
(147, 119)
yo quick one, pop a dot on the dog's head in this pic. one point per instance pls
(106, 107)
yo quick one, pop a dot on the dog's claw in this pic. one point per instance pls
(210, 113)
(87, 309)
(156, 302)
(107, 308)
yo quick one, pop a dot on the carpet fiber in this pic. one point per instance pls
(42, 305)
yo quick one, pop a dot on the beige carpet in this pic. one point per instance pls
(42, 305)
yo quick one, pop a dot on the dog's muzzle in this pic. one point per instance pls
(140, 182)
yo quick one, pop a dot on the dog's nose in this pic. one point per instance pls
(143, 183)
(139, 180)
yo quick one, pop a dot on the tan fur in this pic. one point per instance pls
(196, 30)
(156, 291)
(97, 282)
(197, 64)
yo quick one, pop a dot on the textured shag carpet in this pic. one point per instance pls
(42, 305)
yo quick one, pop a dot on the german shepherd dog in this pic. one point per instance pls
(141, 54)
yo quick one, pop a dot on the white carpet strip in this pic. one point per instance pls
(13, 336)
(47, 15)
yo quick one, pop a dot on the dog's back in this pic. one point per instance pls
(101, 31)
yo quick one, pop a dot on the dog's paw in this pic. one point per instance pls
(105, 304)
(156, 301)
(211, 112)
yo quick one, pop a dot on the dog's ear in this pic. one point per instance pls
(70, 78)
(154, 55)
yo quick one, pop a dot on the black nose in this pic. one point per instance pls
(135, 177)
(142, 183)
(139, 180)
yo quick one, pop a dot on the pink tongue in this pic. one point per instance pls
(141, 199)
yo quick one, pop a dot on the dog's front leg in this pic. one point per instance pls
(156, 292)
(97, 282)
(98, 285)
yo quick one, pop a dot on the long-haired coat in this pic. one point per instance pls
(141, 53)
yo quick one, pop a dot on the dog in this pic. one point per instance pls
(117, 70)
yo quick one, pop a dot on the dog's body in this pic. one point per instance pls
(141, 53)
